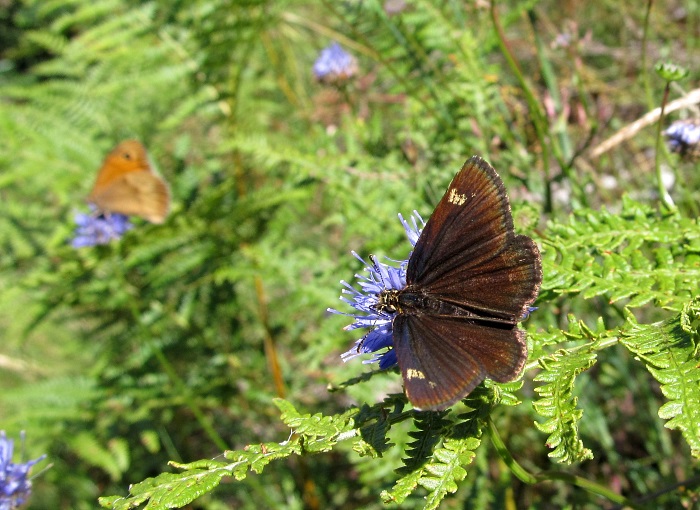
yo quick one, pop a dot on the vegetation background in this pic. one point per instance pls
(117, 359)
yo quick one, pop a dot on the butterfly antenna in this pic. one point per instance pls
(377, 269)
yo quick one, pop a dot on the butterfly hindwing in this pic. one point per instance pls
(443, 359)
(502, 286)
(127, 184)
(141, 194)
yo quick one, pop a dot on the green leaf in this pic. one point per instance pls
(171, 490)
(559, 406)
(635, 256)
(669, 351)
(430, 428)
(314, 433)
(447, 468)
(440, 472)
(403, 487)
(113, 459)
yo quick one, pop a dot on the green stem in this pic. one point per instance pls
(177, 381)
(538, 119)
(645, 71)
(563, 150)
(665, 198)
(443, 115)
(167, 367)
(520, 472)
(529, 478)
(589, 486)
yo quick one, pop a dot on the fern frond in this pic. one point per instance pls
(403, 487)
(52, 400)
(447, 468)
(557, 403)
(440, 473)
(112, 458)
(430, 428)
(318, 433)
(374, 435)
(311, 434)
(669, 351)
(635, 254)
(502, 393)
(172, 490)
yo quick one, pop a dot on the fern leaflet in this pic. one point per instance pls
(669, 351)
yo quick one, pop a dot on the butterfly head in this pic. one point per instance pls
(388, 302)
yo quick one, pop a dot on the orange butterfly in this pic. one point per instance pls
(127, 184)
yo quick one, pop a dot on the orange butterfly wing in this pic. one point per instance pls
(126, 184)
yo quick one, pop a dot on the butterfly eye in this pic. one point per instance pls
(385, 308)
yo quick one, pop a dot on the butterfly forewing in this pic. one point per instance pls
(470, 224)
(468, 253)
(128, 156)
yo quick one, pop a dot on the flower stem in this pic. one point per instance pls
(529, 478)
(665, 198)
(520, 472)
(645, 71)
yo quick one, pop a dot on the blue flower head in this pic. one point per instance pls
(364, 296)
(15, 487)
(335, 64)
(684, 136)
(92, 229)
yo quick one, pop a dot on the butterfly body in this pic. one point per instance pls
(411, 302)
(469, 281)
(127, 184)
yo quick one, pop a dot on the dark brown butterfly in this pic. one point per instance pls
(470, 280)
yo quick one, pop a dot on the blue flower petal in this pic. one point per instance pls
(15, 487)
(387, 360)
(364, 296)
(683, 135)
(334, 64)
(93, 229)
(413, 232)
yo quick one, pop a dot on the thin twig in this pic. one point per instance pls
(627, 132)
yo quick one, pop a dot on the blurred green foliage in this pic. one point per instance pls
(117, 359)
